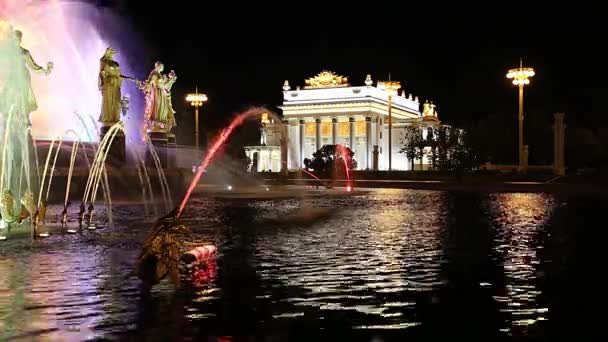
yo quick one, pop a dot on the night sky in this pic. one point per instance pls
(456, 56)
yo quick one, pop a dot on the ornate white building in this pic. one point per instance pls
(329, 111)
(267, 155)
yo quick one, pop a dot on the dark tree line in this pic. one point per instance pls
(330, 159)
(445, 147)
(495, 139)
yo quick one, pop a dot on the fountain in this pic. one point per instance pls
(215, 146)
(17, 184)
(26, 188)
(73, 34)
(342, 153)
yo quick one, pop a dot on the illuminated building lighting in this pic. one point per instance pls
(229, 188)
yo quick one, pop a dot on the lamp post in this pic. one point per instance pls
(196, 100)
(521, 77)
(391, 87)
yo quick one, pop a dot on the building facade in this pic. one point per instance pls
(266, 157)
(329, 111)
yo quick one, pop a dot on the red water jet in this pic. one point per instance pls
(219, 141)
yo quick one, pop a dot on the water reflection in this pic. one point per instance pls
(519, 220)
(435, 263)
(367, 261)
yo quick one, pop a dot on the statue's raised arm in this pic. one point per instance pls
(29, 60)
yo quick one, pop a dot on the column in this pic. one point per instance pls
(318, 133)
(334, 130)
(559, 167)
(284, 143)
(368, 142)
(260, 164)
(302, 123)
(375, 162)
(270, 160)
(351, 133)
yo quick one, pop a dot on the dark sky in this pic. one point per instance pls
(457, 55)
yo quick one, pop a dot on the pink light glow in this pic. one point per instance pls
(219, 141)
(341, 151)
(66, 33)
(311, 174)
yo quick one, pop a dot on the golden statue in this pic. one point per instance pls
(161, 251)
(7, 207)
(110, 81)
(425, 108)
(159, 114)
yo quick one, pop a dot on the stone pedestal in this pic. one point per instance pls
(171, 150)
(117, 155)
(160, 142)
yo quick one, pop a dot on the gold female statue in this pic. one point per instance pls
(110, 81)
(159, 113)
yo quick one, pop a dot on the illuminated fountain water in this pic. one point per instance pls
(18, 184)
(215, 147)
(341, 156)
(324, 183)
(74, 35)
(342, 153)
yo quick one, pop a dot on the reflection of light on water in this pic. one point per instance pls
(372, 266)
(61, 294)
(519, 219)
(388, 326)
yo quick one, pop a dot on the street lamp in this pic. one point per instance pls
(391, 87)
(196, 100)
(521, 77)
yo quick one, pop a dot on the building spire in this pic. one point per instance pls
(521, 62)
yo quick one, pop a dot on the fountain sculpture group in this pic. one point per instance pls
(24, 186)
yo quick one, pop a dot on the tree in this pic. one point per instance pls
(331, 159)
(431, 141)
(412, 144)
(442, 147)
